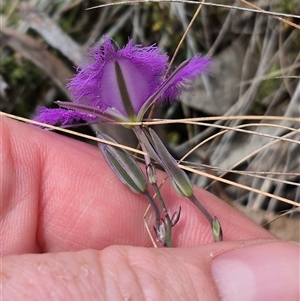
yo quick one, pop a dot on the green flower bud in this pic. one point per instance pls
(217, 230)
(123, 165)
(179, 178)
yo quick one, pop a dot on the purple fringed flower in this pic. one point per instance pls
(120, 84)
(100, 83)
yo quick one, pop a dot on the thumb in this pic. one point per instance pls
(248, 270)
(268, 271)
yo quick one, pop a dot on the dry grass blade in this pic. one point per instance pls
(59, 129)
(50, 32)
(277, 17)
(255, 9)
(35, 52)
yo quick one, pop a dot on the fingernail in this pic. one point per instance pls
(259, 272)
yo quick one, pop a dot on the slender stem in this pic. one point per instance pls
(152, 180)
(201, 208)
(154, 207)
(214, 222)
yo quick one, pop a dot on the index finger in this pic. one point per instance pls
(58, 194)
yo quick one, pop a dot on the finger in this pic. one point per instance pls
(248, 270)
(60, 195)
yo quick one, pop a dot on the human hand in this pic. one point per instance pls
(71, 231)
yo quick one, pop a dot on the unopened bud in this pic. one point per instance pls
(161, 233)
(217, 230)
(123, 165)
(151, 174)
(179, 178)
(175, 218)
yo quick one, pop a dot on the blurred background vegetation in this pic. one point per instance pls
(255, 71)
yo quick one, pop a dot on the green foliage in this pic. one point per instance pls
(27, 85)
(288, 6)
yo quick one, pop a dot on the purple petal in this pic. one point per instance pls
(62, 117)
(96, 84)
(158, 94)
(196, 66)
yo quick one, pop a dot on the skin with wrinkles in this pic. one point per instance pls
(71, 231)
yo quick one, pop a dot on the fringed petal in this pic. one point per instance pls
(96, 83)
(196, 66)
(62, 117)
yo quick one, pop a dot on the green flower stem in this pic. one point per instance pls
(215, 224)
(194, 200)
(150, 169)
(154, 207)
